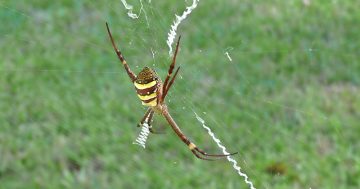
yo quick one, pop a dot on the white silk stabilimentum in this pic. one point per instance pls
(130, 9)
(178, 20)
(143, 135)
(231, 160)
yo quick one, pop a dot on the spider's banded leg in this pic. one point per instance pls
(120, 56)
(148, 111)
(214, 155)
(171, 82)
(171, 68)
(195, 150)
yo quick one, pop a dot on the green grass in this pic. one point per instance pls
(288, 102)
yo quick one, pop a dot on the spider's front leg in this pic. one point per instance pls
(168, 84)
(120, 56)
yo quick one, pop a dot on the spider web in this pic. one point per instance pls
(142, 29)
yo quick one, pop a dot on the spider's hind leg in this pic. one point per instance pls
(148, 119)
(150, 124)
(146, 115)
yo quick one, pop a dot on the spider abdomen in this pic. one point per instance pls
(147, 92)
(146, 85)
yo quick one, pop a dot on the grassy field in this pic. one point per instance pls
(288, 101)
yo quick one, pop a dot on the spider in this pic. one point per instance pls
(152, 93)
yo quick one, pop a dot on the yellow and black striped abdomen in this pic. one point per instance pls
(147, 92)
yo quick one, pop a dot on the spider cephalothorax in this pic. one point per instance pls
(152, 93)
(146, 75)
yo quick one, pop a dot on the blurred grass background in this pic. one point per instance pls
(288, 101)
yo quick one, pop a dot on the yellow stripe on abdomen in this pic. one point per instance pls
(147, 92)
(147, 97)
(145, 86)
(151, 103)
